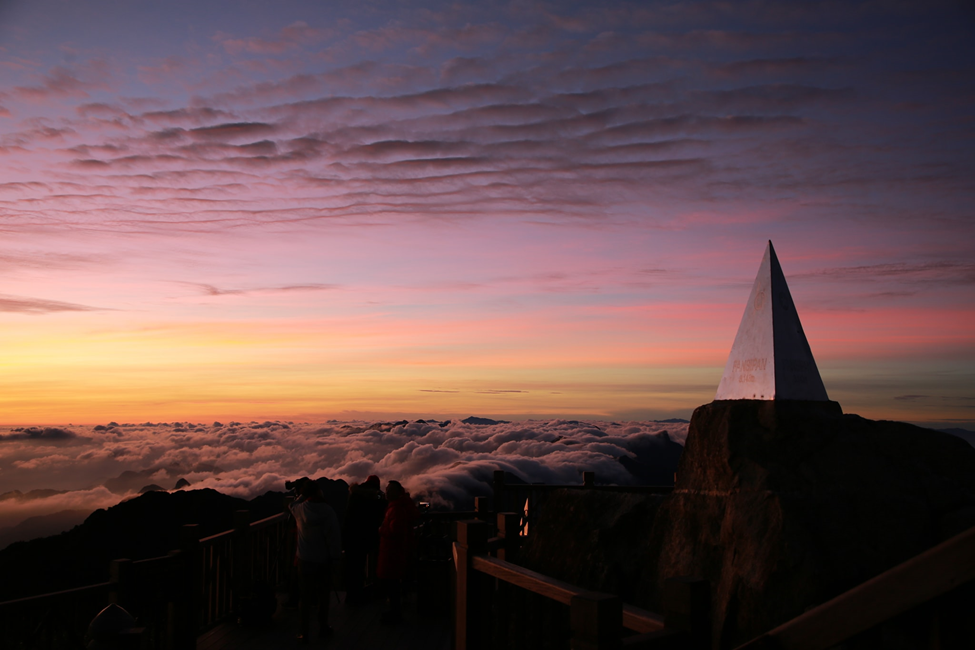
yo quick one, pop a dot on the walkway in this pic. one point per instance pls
(356, 628)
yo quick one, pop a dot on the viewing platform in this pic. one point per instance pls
(194, 597)
(354, 628)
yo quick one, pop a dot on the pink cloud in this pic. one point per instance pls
(293, 36)
(61, 82)
(168, 69)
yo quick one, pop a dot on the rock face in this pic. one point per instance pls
(780, 505)
(784, 505)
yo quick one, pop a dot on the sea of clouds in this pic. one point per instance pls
(44, 471)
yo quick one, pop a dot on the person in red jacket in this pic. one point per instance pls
(396, 547)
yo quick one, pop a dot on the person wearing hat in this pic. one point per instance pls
(364, 515)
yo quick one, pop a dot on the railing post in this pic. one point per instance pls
(589, 479)
(287, 573)
(189, 588)
(242, 556)
(686, 604)
(597, 621)
(481, 508)
(509, 530)
(469, 586)
(120, 575)
(500, 503)
(174, 610)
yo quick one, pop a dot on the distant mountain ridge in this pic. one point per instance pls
(41, 526)
(31, 494)
(143, 527)
(964, 434)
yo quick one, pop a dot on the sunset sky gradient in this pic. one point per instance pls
(307, 210)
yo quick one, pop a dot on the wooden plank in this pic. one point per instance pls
(219, 536)
(916, 581)
(634, 618)
(267, 521)
(149, 563)
(471, 594)
(86, 591)
(641, 621)
(527, 579)
(636, 489)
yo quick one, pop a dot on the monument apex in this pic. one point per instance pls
(770, 358)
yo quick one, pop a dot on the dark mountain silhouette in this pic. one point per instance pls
(41, 526)
(964, 434)
(132, 481)
(32, 494)
(476, 420)
(143, 527)
(152, 487)
(655, 461)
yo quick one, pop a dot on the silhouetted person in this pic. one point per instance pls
(319, 547)
(366, 509)
(396, 547)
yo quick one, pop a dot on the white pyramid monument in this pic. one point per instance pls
(770, 358)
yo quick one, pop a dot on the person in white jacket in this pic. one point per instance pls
(319, 549)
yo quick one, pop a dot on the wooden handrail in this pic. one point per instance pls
(634, 618)
(267, 521)
(640, 620)
(207, 571)
(526, 579)
(55, 595)
(928, 575)
(217, 537)
(546, 487)
(450, 515)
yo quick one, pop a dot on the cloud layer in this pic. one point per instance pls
(93, 467)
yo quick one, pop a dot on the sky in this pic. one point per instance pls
(306, 210)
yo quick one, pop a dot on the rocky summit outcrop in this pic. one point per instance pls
(784, 505)
(780, 505)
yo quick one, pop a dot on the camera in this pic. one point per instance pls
(296, 484)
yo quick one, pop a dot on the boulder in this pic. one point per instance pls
(784, 505)
(780, 505)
